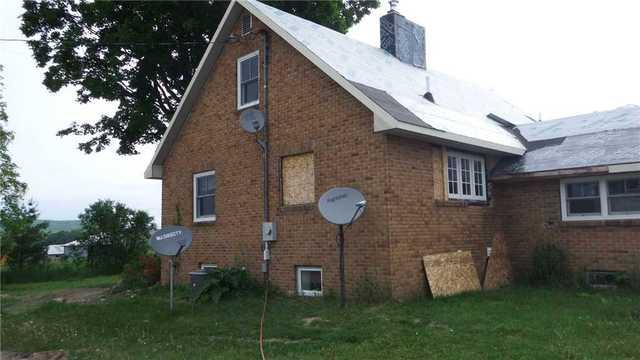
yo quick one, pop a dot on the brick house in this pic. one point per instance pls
(444, 165)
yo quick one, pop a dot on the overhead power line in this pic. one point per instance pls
(166, 43)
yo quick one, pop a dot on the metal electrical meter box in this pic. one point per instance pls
(269, 232)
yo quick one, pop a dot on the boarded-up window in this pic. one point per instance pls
(298, 179)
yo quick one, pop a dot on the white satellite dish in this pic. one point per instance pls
(171, 241)
(252, 120)
(341, 205)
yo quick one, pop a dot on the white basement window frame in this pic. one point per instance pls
(247, 79)
(303, 288)
(601, 191)
(465, 176)
(197, 196)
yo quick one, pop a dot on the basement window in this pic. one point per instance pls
(298, 180)
(466, 177)
(309, 281)
(204, 194)
(601, 198)
(248, 80)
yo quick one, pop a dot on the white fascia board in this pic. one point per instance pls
(622, 168)
(451, 139)
(154, 169)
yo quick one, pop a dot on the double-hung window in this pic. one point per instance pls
(248, 80)
(204, 196)
(466, 177)
(601, 198)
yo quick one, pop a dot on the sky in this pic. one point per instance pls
(550, 58)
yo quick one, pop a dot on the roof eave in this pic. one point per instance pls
(444, 138)
(582, 171)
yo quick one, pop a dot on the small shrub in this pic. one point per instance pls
(550, 265)
(144, 271)
(631, 278)
(222, 283)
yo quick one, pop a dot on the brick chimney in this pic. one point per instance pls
(402, 38)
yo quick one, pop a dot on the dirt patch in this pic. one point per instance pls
(25, 303)
(79, 296)
(310, 320)
(45, 355)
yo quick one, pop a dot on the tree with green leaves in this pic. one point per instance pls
(11, 188)
(140, 54)
(20, 228)
(114, 235)
(15, 219)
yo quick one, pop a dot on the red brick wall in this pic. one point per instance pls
(530, 212)
(308, 113)
(421, 222)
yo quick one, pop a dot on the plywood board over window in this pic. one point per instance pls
(298, 179)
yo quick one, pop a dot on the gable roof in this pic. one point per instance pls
(391, 89)
(590, 140)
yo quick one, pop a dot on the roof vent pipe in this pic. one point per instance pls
(428, 95)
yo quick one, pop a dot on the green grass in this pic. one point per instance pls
(518, 323)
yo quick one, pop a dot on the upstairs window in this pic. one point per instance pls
(204, 195)
(248, 80)
(601, 198)
(466, 177)
(246, 24)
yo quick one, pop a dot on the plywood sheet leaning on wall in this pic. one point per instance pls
(451, 273)
(498, 272)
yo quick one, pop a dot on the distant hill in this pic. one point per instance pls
(63, 225)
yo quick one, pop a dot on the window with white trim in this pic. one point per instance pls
(309, 281)
(465, 176)
(247, 24)
(248, 80)
(601, 198)
(204, 196)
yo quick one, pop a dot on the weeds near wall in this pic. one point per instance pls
(550, 265)
(631, 278)
(369, 291)
(222, 283)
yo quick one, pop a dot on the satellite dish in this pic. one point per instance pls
(252, 120)
(342, 205)
(171, 240)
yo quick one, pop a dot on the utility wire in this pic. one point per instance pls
(165, 43)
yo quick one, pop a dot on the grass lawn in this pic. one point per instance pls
(517, 323)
